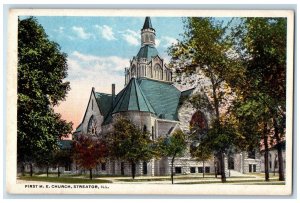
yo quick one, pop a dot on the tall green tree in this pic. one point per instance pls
(173, 146)
(262, 47)
(130, 143)
(207, 45)
(42, 68)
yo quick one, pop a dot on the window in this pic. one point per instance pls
(200, 169)
(92, 126)
(199, 121)
(231, 163)
(145, 171)
(193, 169)
(250, 168)
(207, 169)
(152, 38)
(177, 169)
(254, 168)
(152, 133)
(251, 154)
(122, 168)
(270, 164)
(133, 71)
(103, 166)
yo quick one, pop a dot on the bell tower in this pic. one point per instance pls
(147, 63)
(147, 33)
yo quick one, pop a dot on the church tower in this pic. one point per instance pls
(147, 63)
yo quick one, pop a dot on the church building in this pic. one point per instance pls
(152, 101)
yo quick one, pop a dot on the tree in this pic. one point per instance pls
(201, 153)
(207, 45)
(262, 47)
(130, 143)
(41, 71)
(173, 146)
(89, 151)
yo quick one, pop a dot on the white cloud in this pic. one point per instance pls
(81, 33)
(131, 37)
(85, 64)
(168, 41)
(157, 42)
(106, 32)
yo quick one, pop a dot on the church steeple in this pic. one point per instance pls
(147, 63)
(147, 23)
(148, 33)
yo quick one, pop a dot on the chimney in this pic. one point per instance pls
(113, 93)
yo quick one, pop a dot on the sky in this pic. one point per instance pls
(98, 49)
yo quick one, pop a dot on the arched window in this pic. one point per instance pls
(158, 72)
(147, 38)
(133, 71)
(151, 38)
(199, 121)
(92, 126)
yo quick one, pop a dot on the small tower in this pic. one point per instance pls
(148, 33)
(147, 63)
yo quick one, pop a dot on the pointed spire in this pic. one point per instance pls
(147, 23)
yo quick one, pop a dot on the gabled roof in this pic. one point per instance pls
(148, 52)
(132, 99)
(147, 23)
(104, 102)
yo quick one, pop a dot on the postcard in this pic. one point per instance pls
(133, 101)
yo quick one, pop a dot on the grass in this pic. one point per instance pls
(257, 179)
(69, 180)
(242, 182)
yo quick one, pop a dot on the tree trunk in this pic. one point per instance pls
(47, 170)
(280, 162)
(223, 176)
(91, 174)
(279, 152)
(133, 166)
(172, 171)
(58, 172)
(31, 170)
(266, 153)
(23, 169)
(203, 168)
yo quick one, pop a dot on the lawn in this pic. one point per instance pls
(180, 179)
(70, 180)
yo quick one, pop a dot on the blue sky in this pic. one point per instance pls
(98, 49)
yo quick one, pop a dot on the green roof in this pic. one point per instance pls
(148, 95)
(147, 51)
(132, 99)
(163, 97)
(147, 23)
(104, 102)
